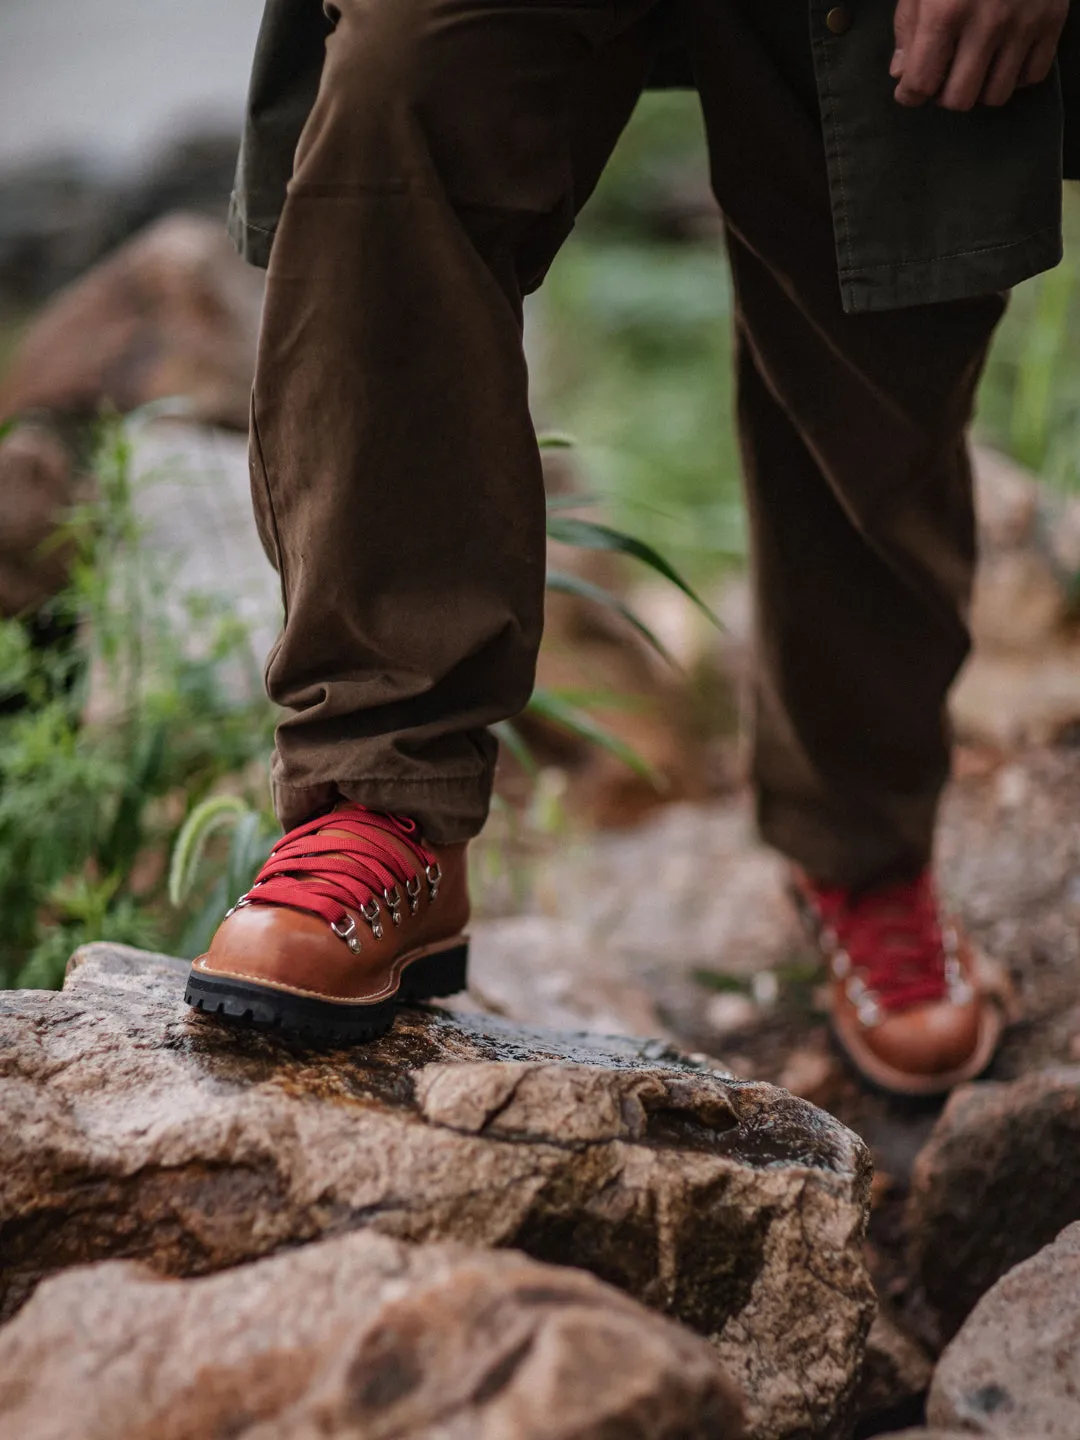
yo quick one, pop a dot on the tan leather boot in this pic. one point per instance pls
(909, 1000)
(351, 916)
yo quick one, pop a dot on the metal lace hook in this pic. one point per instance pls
(371, 913)
(393, 904)
(412, 890)
(347, 932)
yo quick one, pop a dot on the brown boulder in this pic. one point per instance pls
(37, 484)
(895, 1375)
(998, 1179)
(130, 1128)
(952, 1435)
(360, 1337)
(173, 312)
(1014, 1368)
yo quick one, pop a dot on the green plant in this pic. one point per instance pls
(92, 794)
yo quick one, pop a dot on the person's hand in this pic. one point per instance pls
(961, 52)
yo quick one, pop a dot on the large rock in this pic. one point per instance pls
(130, 1128)
(998, 1180)
(360, 1338)
(953, 1435)
(173, 312)
(37, 484)
(1015, 1366)
(895, 1376)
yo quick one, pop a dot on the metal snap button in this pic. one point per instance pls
(838, 20)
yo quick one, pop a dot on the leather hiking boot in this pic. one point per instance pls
(910, 1002)
(351, 916)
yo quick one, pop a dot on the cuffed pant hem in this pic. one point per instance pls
(855, 856)
(448, 809)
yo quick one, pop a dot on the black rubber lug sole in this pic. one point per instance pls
(327, 1021)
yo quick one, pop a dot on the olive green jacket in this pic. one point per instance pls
(928, 205)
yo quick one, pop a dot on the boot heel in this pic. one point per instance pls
(445, 973)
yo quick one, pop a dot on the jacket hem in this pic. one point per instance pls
(253, 242)
(989, 270)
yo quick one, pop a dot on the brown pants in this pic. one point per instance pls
(395, 470)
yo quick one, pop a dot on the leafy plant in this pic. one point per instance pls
(92, 798)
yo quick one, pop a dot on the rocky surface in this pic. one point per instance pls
(38, 482)
(360, 1337)
(998, 1180)
(1014, 1368)
(895, 1376)
(132, 1129)
(173, 312)
(1022, 683)
(954, 1435)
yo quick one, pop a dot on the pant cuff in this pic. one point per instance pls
(448, 811)
(854, 854)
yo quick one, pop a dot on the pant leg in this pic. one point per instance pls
(395, 472)
(857, 475)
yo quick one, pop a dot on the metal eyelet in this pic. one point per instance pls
(434, 875)
(347, 932)
(393, 904)
(869, 1012)
(412, 890)
(371, 913)
(855, 989)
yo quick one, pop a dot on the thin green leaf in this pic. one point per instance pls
(551, 706)
(565, 584)
(555, 440)
(588, 535)
(509, 735)
(205, 820)
(572, 501)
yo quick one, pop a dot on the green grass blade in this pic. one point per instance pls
(553, 707)
(509, 735)
(572, 501)
(564, 584)
(204, 821)
(588, 535)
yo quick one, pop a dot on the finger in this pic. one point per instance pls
(1005, 72)
(975, 55)
(927, 61)
(1039, 63)
(905, 23)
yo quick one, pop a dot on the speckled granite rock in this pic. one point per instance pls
(1014, 1368)
(950, 1435)
(998, 1180)
(362, 1338)
(131, 1128)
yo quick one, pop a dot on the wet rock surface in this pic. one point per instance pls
(132, 1129)
(998, 1180)
(1014, 1368)
(361, 1337)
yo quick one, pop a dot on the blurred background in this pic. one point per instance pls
(619, 884)
(133, 731)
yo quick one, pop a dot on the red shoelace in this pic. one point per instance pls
(356, 868)
(892, 936)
